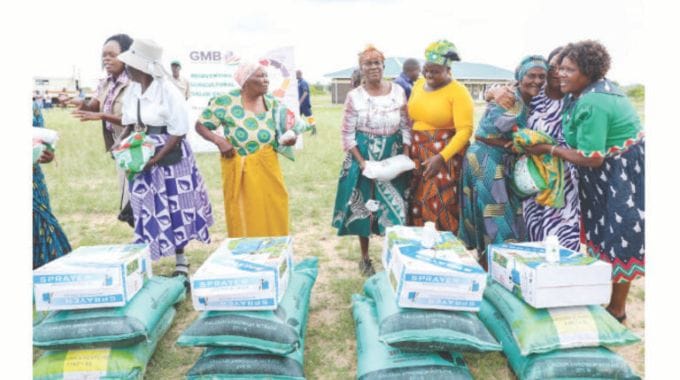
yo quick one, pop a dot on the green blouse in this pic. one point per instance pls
(600, 124)
(247, 131)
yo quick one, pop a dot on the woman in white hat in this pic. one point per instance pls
(169, 199)
(256, 127)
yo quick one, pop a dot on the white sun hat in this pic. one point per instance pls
(144, 55)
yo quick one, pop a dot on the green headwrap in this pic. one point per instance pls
(441, 52)
(529, 62)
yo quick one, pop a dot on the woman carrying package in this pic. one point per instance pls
(169, 199)
(606, 143)
(256, 127)
(491, 212)
(441, 109)
(375, 127)
(546, 116)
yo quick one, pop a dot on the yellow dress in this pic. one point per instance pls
(255, 195)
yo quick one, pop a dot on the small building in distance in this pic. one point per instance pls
(477, 77)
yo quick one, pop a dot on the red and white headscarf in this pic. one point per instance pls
(245, 70)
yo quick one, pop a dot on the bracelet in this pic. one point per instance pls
(552, 150)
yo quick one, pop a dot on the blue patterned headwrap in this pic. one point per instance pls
(529, 62)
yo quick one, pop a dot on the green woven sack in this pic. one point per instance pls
(570, 363)
(115, 326)
(543, 330)
(229, 363)
(279, 331)
(104, 362)
(526, 180)
(376, 360)
(426, 330)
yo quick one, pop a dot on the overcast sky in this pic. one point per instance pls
(328, 34)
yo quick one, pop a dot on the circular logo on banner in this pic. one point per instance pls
(283, 71)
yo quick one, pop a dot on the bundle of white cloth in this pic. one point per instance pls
(388, 169)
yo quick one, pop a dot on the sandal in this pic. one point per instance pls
(366, 267)
(183, 273)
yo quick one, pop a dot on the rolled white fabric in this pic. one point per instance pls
(388, 169)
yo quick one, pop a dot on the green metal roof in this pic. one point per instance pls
(461, 70)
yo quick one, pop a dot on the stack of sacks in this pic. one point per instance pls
(566, 339)
(421, 312)
(377, 360)
(260, 333)
(91, 339)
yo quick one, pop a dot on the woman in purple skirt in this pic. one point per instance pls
(169, 199)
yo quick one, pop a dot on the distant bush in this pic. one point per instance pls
(319, 89)
(636, 92)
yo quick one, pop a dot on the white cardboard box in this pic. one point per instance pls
(92, 277)
(577, 279)
(244, 274)
(444, 278)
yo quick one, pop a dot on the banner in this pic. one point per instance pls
(211, 73)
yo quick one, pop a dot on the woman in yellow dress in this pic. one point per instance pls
(255, 129)
(441, 109)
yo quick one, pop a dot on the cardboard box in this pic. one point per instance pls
(446, 277)
(92, 277)
(576, 280)
(244, 274)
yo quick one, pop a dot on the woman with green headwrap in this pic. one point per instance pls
(491, 212)
(441, 109)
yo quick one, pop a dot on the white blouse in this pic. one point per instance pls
(162, 104)
(379, 115)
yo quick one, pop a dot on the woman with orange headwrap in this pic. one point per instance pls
(256, 127)
(375, 127)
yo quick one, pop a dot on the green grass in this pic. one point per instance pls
(83, 189)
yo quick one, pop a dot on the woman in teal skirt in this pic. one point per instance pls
(375, 127)
(491, 212)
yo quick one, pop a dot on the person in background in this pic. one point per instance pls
(63, 98)
(408, 76)
(256, 126)
(375, 126)
(491, 212)
(441, 109)
(38, 119)
(49, 239)
(107, 106)
(169, 198)
(606, 144)
(304, 100)
(179, 81)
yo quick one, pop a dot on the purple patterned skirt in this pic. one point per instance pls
(170, 203)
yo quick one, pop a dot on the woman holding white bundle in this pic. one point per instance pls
(375, 128)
